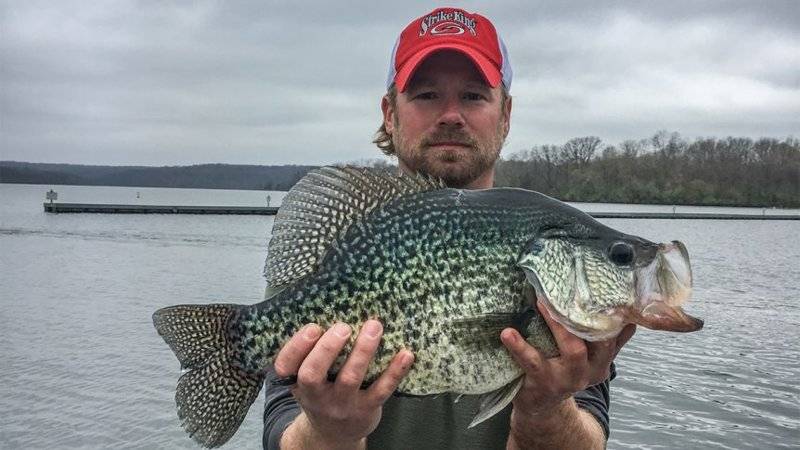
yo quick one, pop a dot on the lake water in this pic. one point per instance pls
(82, 365)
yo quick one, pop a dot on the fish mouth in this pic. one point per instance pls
(662, 287)
(650, 294)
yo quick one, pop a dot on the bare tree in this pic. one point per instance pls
(580, 150)
(631, 148)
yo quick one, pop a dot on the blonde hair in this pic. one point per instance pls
(382, 138)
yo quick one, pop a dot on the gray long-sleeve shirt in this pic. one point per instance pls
(432, 422)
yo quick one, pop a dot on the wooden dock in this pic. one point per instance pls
(272, 210)
(157, 209)
(684, 216)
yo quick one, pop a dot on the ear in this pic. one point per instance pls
(388, 114)
(507, 116)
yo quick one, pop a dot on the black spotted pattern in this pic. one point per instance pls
(417, 264)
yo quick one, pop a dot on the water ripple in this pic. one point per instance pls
(83, 368)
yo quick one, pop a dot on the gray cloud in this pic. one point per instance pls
(128, 82)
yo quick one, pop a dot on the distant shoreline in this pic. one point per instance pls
(142, 187)
(203, 176)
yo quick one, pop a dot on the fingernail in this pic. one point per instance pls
(510, 336)
(311, 332)
(341, 330)
(406, 359)
(372, 328)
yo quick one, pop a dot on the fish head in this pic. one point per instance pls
(596, 283)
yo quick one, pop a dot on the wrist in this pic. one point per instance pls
(563, 425)
(301, 434)
(531, 423)
(544, 410)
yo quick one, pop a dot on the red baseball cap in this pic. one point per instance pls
(450, 29)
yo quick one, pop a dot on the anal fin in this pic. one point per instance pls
(494, 402)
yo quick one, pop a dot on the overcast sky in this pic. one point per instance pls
(261, 82)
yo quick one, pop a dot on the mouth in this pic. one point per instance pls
(448, 144)
(662, 287)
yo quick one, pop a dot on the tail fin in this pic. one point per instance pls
(213, 396)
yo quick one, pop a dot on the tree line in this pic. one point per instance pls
(662, 169)
(202, 176)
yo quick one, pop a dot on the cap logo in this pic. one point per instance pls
(446, 23)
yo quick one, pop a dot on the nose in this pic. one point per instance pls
(451, 115)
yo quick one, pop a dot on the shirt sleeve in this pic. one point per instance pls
(280, 409)
(596, 400)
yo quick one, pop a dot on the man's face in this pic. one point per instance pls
(449, 123)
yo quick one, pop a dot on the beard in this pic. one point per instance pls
(458, 166)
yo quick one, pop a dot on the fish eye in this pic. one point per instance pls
(621, 253)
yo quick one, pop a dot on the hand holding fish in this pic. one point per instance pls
(545, 399)
(336, 414)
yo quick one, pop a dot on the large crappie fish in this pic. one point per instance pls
(445, 270)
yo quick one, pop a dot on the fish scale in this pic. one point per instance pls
(464, 261)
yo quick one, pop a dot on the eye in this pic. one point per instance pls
(621, 253)
(425, 95)
(473, 96)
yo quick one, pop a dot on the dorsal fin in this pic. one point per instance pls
(320, 208)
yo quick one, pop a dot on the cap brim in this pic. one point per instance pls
(486, 67)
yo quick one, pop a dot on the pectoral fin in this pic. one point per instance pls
(494, 402)
(487, 327)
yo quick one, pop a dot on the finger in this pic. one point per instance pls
(352, 374)
(624, 336)
(601, 353)
(529, 359)
(571, 347)
(387, 383)
(293, 353)
(314, 369)
(606, 351)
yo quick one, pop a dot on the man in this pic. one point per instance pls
(446, 113)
